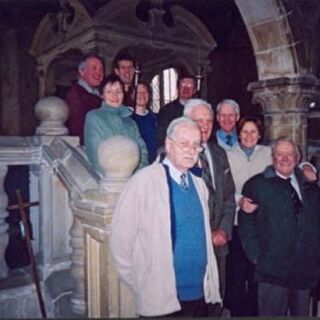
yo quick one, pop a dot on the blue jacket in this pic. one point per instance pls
(106, 122)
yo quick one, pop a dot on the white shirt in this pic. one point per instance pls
(89, 89)
(293, 181)
(175, 174)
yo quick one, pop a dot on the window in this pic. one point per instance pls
(164, 88)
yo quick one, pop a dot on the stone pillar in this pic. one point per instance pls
(4, 238)
(285, 103)
(106, 296)
(52, 112)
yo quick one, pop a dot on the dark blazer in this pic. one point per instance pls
(167, 113)
(224, 205)
(283, 244)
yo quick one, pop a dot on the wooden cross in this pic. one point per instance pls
(21, 206)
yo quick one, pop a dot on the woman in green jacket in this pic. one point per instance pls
(111, 119)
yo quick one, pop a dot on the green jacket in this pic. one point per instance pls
(106, 122)
(283, 245)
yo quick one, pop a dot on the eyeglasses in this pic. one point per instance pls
(184, 146)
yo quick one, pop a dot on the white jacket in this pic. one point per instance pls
(141, 247)
(243, 169)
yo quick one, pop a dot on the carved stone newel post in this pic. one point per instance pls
(105, 295)
(52, 112)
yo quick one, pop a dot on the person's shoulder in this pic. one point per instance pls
(263, 148)
(148, 173)
(169, 106)
(93, 114)
(75, 88)
(217, 150)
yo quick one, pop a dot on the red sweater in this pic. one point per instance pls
(80, 101)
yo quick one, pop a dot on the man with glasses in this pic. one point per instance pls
(160, 233)
(187, 88)
(218, 178)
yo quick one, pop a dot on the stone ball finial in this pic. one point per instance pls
(52, 112)
(118, 156)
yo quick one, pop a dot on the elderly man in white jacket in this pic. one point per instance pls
(160, 234)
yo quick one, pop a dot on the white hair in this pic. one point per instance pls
(177, 122)
(231, 103)
(194, 103)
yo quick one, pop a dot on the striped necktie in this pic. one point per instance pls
(183, 181)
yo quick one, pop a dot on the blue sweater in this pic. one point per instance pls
(147, 125)
(190, 258)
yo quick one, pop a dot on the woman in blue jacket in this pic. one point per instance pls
(111, 119)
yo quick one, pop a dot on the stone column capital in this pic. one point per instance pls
(286, 94)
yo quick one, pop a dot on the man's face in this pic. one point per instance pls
(285, 158)
(186, 89)
(227, 118)
(125, 71)
(204, 119)
(184, 147)
(113, 94)
(92, 72)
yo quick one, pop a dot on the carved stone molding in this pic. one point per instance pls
(285, 103)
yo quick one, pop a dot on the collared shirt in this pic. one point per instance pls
(221, 138)
(175, 174)
(293, 181)
(183, 102)
(208, 155)
(88, 88)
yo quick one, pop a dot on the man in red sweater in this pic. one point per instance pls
(84, 95)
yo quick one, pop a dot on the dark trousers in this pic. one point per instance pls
(276, 301)
(194, 308)
(241, 291)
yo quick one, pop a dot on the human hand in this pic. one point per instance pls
(247, 205)
(219, 238)
(309, 172)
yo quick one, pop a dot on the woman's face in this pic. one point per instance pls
(113, 94)
(142, 96)
(249, 134)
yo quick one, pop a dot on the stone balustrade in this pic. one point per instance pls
(71, 226)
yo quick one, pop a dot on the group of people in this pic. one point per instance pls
(209, 219)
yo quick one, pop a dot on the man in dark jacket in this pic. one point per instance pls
(186, 87)
(282, 236)
(220, 185)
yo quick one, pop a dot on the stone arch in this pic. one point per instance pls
(57, 34)
(272, 40)
(187, 42)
